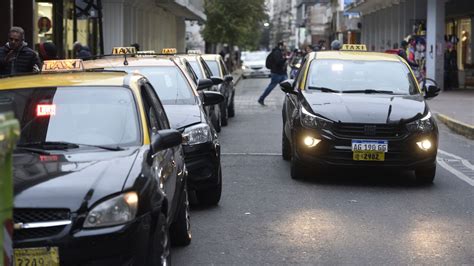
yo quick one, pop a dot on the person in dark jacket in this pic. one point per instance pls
(277, 69)
(16, 57)
(81, 51)
(48, 51)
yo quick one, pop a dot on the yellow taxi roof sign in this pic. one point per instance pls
(354, 47)
(124, 50)
(62, 65)
(169, 51)
(194, 51)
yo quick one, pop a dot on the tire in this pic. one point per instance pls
(425, 175)
(160, 248)
(180, 230)
(285, 146)
(217, 121)
(211, 196)
(230, 110)
(224, 114)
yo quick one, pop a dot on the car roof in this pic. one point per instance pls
(190, 57)
(355, 55)
(118, 61)
(115, 78)
(211, 56)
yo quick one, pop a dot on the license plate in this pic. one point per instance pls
(368, 156)
(36, 256)
(369, 145)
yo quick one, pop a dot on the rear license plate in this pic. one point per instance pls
(36, 256)
(369, 145)
(368, 156)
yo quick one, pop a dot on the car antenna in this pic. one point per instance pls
(125, 62)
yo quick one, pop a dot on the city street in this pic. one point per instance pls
(265, 217)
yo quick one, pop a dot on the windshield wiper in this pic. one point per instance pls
(368, 91)
(323, 89)
(62, 145)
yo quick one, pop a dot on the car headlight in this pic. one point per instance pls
(197, 134)
(117, 210)
(423, 124)
(312, 121)
(245, 67)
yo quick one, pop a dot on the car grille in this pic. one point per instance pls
(36, 216)
(256, 67)
(351, 130)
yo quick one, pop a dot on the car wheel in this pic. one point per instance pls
(285, 146)
(160, 252)
(180, 230)
(425, 175)
(230, 110)
(211, 196)
(224, 114)
(217, 120)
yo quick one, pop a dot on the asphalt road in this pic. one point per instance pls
(344, 217)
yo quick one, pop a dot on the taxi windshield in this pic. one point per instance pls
(169, 83)
(214, 67)
(348, 76)
(83, 115)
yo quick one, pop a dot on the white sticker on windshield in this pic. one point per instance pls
(337, 67)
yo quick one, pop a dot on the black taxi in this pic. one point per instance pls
(175, 83)
(353, 108)
(99, 176)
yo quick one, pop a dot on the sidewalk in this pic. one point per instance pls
(237, 74)
(456, 110)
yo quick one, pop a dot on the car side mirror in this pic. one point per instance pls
(216, 80)
(212, 98)
(204, 84)
(165, 139)
(431, 91)
(228, 78)
(287, 86)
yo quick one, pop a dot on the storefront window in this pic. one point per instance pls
(44, 23)
(464, 44)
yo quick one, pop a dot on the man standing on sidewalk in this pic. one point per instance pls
(16, 57)
(276, 62)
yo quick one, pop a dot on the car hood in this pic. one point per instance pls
(183, 115)
(366, 108)
(68, 180)
(255, 63)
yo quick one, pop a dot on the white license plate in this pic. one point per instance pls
(370, 145)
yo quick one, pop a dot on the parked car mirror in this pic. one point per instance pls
(431, 91)
(212, 98)
(165, 139)
(228, 78)
(216, 80)
(204, 84)
(287, 86)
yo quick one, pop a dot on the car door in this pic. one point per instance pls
(227, 86)
(167, 164)
(291, 105)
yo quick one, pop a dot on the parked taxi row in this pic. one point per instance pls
(109, 150)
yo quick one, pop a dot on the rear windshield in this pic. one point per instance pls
(81, 115)
(169, 83)
(214, 67)
(357, 75)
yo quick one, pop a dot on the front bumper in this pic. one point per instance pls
(118, 245)
(336, 151)
(203, 162)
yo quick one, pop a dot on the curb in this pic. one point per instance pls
(457, 126)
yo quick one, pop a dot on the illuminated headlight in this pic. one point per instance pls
(424, 144)
(312, 121)
(197, 134)
(245, 67)
(311, 142)
(421, 125)
(114, 211)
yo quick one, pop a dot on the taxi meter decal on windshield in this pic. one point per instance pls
(124, 50)
(63, 65)
(354, 47)
(45, 110)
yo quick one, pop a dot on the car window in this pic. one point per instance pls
(213, 65)
(169, 83)
(197, 69)
(191, 73)
(160, 111)
(150, 112)
(207, 70)
(224, 68)
(354, 75)
(83, 115)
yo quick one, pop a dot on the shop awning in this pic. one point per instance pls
(189, 9)
(369, 6)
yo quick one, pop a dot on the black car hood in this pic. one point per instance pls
(183, 115)
(366, 108)
(66, 180)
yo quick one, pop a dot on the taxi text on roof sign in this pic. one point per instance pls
(194, 51)
(169, 51)
(63, 65)
(354, 47)
(124, 50)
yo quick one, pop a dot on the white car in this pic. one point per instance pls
(253, 65)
